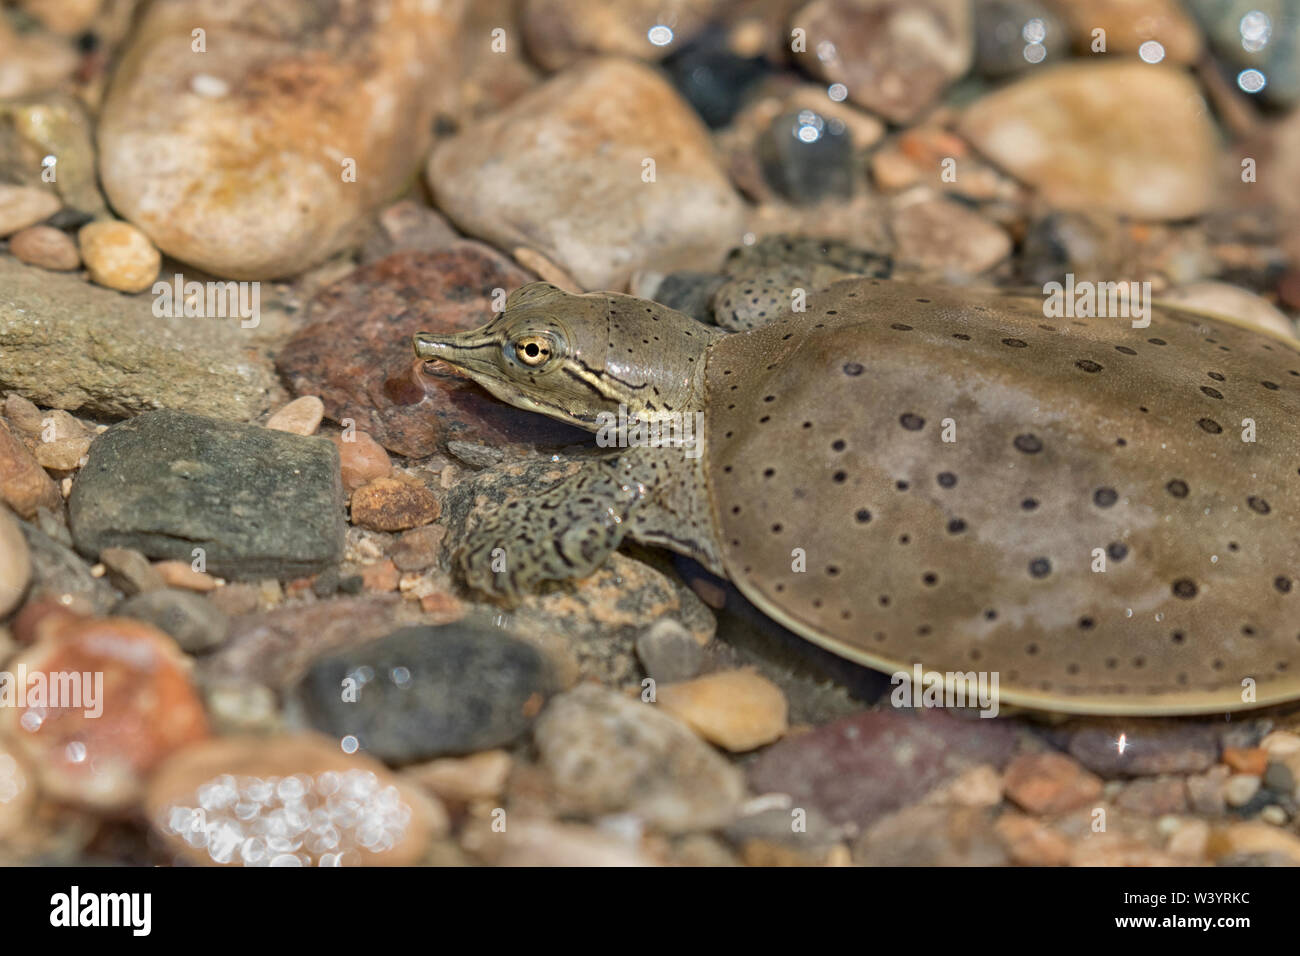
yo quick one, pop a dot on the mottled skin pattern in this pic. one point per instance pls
(1074, 439)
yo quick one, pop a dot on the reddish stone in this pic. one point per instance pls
(24, 485)
(99, 751)
(355, 352)
(361, 459)
(393, 504)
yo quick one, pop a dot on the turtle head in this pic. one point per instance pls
(573, 357)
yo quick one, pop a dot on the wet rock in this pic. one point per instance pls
(895, 57)
(1031, 842)
(736, 710)
(191, 620)
(331, 108)
(393, 504)
(103, 353)
(712, 77)
(1223, 299)
(15, 564)
(24, 206)
(941, 236)
(606, 753)
(24, 485)
(45, 247)
(278, 646)
(302, 416)
(1130, 24)
(1049, 783)
(130, 571)
(418, 548)
(560, 31)
(1081, 137)
(1150, 747)
(1154, 796)
(1246, 40)
(480, 776)
(355, 352)
(806, 157)
(669, 652)
(1005, 30)
(583, 196)
(289, 800)
(61, 577)
(932, 836)
(861, 768)
(424, 692)
(119, 256)
(1259, 842)
(96, 748)
(257, 502)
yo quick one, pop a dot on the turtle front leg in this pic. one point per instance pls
(563, 533)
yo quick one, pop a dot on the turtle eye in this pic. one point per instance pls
(533, 350)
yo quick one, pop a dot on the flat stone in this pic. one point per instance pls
(561, 171)
(418, 548)
(190, 619)
(130, 571)
(558, 32)
(376, 817)
(606, 753)
(394, 504)
(943, 237)
(263, 156)
(355, 352)
(259, 503)
(60, 576)
(66, 344)
(669, 652)
(424, 692)
(46, 248)
(861, 768)
(1079, 135)
(302, 416)
(1150, 746)
(23, 206)
(932, 836)
(1050, 783)
(737, 710)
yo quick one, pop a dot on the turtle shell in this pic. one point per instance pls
(906, 475)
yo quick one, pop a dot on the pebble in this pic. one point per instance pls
(63, 443)
(1001, 45)
(119, 256)
(24, 485)
(1255, 839)
(896, 57)
(977, 787)
(1281, 743)
(354, 352)
(1150, 747)
(263, 503)
(130, 571)
(15, 564)
(1154, 796)
(806, 157)
(180, 574)
(1077, 134)
(1190, 840)
(541, 843)
(100, 753)
(669, 652)
(712, 77)
(424, 692)
(1280, 777)
(1206, 791)
(108, 354)
(418, 548)
(860, 768)
(34, 61)
(46, 248)
(944, 237)
(302, 416)
(932, 836)
(1240, 789)
(1252, 760)
(1050, 783)
(219, 803)
(62, 579)
(737, 710)
(558, 32)
(331, 117)
(380, 576)
(1278, 58)
(606, 753)
(1232, 301)
(475, 455)
(478, 776)
(17, 791)
(394, 504)
(361, 459)
(194, 622)
(1130, 25)
(1031, 842)
(561, 171)
(23, 206)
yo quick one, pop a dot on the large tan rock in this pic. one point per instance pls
(261, 156)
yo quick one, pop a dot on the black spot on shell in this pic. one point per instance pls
(1157, 341)
(1212, 392)
(1029, 444)
(1029, 504)
(1258, 505)
(1087, 623)
(1210, 425)
(1217, 376)
(1125, 349)
(1104, 497)
(1282, 583)
(1015, 343)
(956, 526)
(862, 516)
(852, 368)
(1177, 487)
(900, 327)
(946, 479)
(1271, 386)
(1088, 365)
(913, 423)
(962, 336)
(1117, 550)
(1185, 588)
(1040, 568)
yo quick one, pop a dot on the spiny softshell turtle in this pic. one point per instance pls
(955, 469)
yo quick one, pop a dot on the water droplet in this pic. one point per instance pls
(837, 92)
(660, 35)
(1035, 53)
(1252, 81)
(349, 744)
(1256, 29)
(1151, 52)
(1035, 31)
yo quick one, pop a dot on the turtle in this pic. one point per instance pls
(1102, 513)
